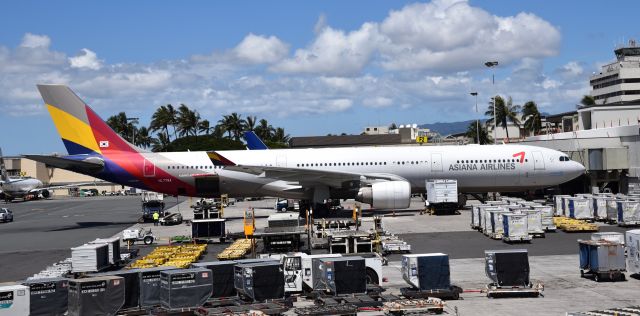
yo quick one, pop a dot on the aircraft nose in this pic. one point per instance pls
(578, 169)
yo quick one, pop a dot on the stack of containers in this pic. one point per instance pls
(14, 299)
(477, 214)
(114, 248)
(96, 296)
(222, 277)
(49, 297)
(633, 251)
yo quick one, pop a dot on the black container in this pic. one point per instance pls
(341, 275)
(432, 271)
(139, 293)
(49, 297)
(185, 288)
(222, 277)
(260, 281)
(97, 296)
(507, 268)
(208, 228)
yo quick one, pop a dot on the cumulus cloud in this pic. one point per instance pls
(87, 59)
(259, 49)
(33, 40)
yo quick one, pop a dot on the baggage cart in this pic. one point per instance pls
(515, 228)
(602, 259)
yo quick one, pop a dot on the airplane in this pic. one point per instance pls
(384, 177)
(11, 188)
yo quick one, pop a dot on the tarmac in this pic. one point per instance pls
(35, 240)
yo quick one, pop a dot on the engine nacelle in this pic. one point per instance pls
(386, 195)
(45, 194)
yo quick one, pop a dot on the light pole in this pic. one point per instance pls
(475, 94)
(134, 120)
(492, 64)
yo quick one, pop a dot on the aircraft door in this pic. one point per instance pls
(148, 169)
(281, 161)
(538, 161)
(436, 162)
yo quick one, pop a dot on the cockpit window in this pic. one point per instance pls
(564, 158)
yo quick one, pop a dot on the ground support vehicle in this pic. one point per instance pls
(6, 215)
(131, 236)
(442, 196)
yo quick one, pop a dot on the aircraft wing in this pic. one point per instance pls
(304, 176)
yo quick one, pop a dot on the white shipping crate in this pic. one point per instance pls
(14, 299)
(90, 258)
(578, 208)
(477, 213)
(628, 212)
(633, 251)
(515, 227)
(534, 221)
(612, 210)
(442, 191)
(114, 247)
(598, 205)
(494, 223)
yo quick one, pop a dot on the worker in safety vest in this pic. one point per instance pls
(156, 217)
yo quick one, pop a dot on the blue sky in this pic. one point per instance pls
(311, 67)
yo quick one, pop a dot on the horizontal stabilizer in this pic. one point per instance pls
(69, 164)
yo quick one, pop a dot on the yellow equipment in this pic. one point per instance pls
(249, 222)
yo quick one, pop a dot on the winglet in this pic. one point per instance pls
(253, 141)
(219, 160)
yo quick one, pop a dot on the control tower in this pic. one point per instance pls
(618, 83)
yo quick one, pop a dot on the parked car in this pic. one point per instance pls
(6, 215)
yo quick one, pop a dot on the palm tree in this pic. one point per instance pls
(161, 143)
(233, 124)
(161, 119)
(204, 127)
(121, 125)
(587, 100)
(504, 113)
(264, 130)
(218, 131)
(173, 115)
(250, 123)
(143, 139)
(280, 137)
(484, 134)
(531, 116)
(188, 121)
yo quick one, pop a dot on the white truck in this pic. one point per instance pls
(298, 269)
(442, 196)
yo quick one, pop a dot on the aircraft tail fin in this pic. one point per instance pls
(81, 129)
(253, 141)
(4, 176)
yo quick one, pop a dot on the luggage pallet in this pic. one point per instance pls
(494, 291)
(270, 308)
(414, 307)
(612, 275)
(334, 310)
(629, 223)
(627, 311)
(497, 236)
(508, 239)
(452, 293)
(579, 228)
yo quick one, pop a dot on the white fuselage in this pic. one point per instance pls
(488, 168)
(19, 187)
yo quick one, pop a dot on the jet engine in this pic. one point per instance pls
(386, 195)
(45, 194)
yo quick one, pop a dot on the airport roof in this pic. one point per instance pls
(345, 140)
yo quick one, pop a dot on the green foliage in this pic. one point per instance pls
(484, 134)
(204, 143)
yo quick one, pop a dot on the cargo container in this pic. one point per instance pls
(515, 227)
(14, 299)
(598, 206)
(612, 210)
(442, 195)
(507, 268)
(633, 251)
(208, 229)
(495, 227)
(558, 202)
(89, 258)
(142, 286)
(476, 214)
(628, 213)
(534, 222)
(260, 281)
(341, 275)
(546, 212)
(96, 296)
(114, 248)
(185, 288)
(609, 236)
(427, 272)
(602, 259)
(222, 277)
(49, 297)
(578, 208)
